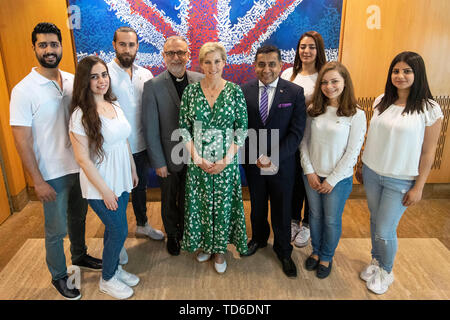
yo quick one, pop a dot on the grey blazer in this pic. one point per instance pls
(160, 113)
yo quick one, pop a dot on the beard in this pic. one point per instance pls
(177, 69)
(45, 64)
(125, 60)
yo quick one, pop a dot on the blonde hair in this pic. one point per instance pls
(209, 47)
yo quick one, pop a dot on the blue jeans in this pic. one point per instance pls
(68, 211)
(116, 231)
(384, 199)
(325, 217)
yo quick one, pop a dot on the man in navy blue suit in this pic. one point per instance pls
(276, 121)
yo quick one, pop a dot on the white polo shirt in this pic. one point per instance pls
(129, 95)
(39, 103)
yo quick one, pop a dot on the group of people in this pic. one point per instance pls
(90, 139)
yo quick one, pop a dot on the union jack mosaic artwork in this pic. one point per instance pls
(242, 26)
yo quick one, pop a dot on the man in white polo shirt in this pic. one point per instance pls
(127, 82)
(39, 115)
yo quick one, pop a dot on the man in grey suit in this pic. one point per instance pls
(160, 111)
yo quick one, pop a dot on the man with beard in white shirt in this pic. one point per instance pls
(127, 83)
(39, 116)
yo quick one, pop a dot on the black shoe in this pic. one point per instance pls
(289, 267)
(69, 294)
(311, 263)
(252, 246)
(89, 263)
(322, 271)
(173, 246)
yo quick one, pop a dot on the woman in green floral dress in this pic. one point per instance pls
(213, 123)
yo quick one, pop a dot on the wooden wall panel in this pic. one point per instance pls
(5, 211)
(13, 164)
(17, 20)
(406, 25)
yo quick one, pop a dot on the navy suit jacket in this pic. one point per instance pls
(287, 114)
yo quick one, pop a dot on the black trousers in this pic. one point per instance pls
(172, 202)
(278, 189)
(139, 193)
(299, 194)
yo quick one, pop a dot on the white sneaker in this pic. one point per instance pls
(202, 256)
(295, 229)
(148, 231)
(115, 288)
(220, 267)
(302, 238)
(128, 278)
(381, 281)
(370, 270)
(123, 256)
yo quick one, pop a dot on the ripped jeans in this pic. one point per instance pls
(384, 199)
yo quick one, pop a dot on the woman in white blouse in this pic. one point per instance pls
(334, 134)
(309, 59)
(397, 159)
(99, 132)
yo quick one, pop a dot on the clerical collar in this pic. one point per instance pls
(178, 79)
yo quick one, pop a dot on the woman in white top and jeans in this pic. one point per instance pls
(309, 59)
(99, 132)
(334, 134)
(397, 159)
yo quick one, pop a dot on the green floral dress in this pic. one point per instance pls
(214, 212)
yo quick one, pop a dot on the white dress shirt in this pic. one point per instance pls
(271, 88)
(129, 95)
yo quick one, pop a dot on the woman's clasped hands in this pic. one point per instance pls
(212, 167)
(321, 187)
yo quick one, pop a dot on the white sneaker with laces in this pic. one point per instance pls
(370, 270)
(123, 256)
(220, 267)
(115, 288)
(295, 229)
(202, 256)
(302, 238)
(381, 281)
(128, 278)
(148, 231)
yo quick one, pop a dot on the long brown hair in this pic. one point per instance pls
(82, 98)
(419, 95)
(347, 101)
(321, 59)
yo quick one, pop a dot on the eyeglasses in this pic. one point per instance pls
(171, 54)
